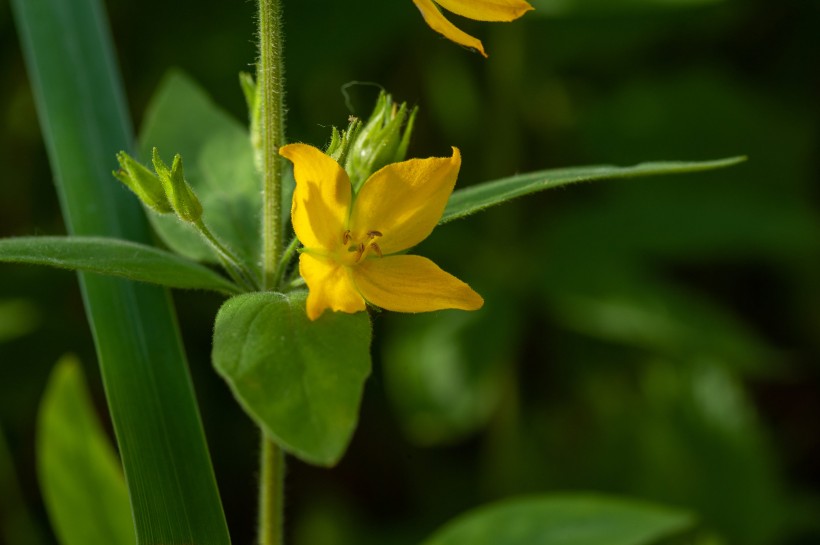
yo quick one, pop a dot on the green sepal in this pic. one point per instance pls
(179, 192)
(340, 141)
(381, 141)
(144, 183)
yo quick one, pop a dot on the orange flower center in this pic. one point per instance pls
(362, 246)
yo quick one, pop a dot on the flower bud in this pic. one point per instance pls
(180, 195)
(143, 183)
(340, 141)
(383, 140)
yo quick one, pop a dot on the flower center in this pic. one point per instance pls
(362, 246)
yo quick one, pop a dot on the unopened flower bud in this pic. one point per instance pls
(180, 195)
(382, 141)
(143, 183)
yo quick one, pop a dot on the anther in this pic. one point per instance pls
(360, 252)
(374, 234)
(376, 248)
(346, 237)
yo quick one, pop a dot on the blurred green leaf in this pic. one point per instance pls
(18, 317)
(80, 474)
(114, 257)
(445, 373)
(219, 165)
(300, 381)
(660, 318)
(82, 112)
(564, 520)
(470, 200)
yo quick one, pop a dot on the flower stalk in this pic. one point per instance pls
(270, 89)
(271, 136)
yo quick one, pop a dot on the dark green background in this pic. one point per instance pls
(658, 338)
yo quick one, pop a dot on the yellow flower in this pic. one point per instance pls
(480, 10)
(353, 243)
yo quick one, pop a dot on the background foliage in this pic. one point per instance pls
(656, 337)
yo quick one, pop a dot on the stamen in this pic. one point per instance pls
(360, 252)
(346, 237)
(376, 248)
(374, 234)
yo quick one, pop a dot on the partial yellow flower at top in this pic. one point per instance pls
(353, 243)
(480, 10)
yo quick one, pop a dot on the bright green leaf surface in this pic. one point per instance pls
(80, 474)
(301, 381)
(219, 165)
(83, 115)
(469, 200)
(564, 520)
(114, 257)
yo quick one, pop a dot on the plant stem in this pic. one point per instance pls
(230, 262)
(271, 493)
(270, 96)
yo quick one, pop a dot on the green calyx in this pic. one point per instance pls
(180, 195)
(164, 191)
(365, 148)
(144, 183)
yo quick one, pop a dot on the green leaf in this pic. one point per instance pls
(470, 200)
(300, 381)
(219, 165)
(114, 257)
(571, 519)
(82, 111)
(446, 373)
(80, 475)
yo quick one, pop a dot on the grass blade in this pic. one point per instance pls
(82, 113)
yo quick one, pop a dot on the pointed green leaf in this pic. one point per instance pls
(80, 474)
(469, 200)
(571, 519)
(83, 115)
(114, 257)
(182, 119)
(300, 381)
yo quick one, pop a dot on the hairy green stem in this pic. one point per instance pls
(233, 265)
(270, 96)
(271, 493)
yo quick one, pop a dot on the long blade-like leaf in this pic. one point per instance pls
(83, 117)
(114, 257)
(469, 200)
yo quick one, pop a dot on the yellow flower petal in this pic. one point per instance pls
(487, 10)
(330, 286)
(440, 24)
(410, 283)
(321, 200)
(404, 201)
